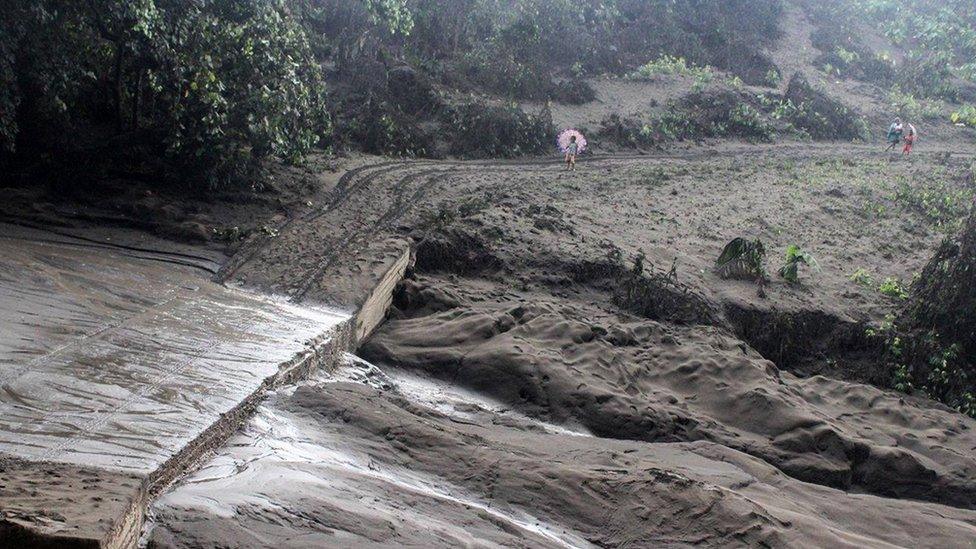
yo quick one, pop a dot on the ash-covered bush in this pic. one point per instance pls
(697, 116)
(630, 132)
(480, 131)
(725, 114)
(381, 128)
(843, 54)
(667, 65)
(932, 349)
(819, 115)
(572, 92)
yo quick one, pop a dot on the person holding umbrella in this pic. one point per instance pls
(894, 134)
(571, 151)
(571, 143)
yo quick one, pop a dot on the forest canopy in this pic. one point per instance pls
(208, 84)
(201, 90)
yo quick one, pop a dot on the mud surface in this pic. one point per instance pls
(120, 363)
(53, 504)
(528, 369)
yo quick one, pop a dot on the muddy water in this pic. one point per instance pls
(113, 358)
(447, 398)
(292, 480)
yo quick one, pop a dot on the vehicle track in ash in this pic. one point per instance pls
(352, 240)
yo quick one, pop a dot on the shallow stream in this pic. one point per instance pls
(292, 478)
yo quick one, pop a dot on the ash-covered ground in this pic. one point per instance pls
(533, 388)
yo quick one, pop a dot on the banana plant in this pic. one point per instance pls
(794, 258)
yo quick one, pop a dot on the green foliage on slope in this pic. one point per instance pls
(931, 348)
(211, 86)
(938, 38)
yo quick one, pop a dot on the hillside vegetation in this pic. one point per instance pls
(200, 92)
(935, 43)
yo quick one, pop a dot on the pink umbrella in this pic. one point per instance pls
(563, 140)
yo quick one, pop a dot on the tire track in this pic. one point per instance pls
(136, 252)
(334, 199)
(400, 206)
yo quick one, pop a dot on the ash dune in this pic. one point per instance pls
(648, 381)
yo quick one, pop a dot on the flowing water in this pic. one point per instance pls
(291, 468)
(114, 358)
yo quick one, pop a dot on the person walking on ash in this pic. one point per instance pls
(910, 140)
(894, 134)
(571, 143)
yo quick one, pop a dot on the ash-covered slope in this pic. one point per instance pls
(579, 400)
(649, 381)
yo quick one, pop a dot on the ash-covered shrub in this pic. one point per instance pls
(819, 115)
(933, 348)
(411, 91)
(479, 130)
(502, 75)
(629, 132)
(572, 92)
(725, 114)
(697, 116)
(383, 111)
(843, 54)
(743, 259)
(658, 295)
(380, 128)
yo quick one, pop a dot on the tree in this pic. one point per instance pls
(212, 85)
